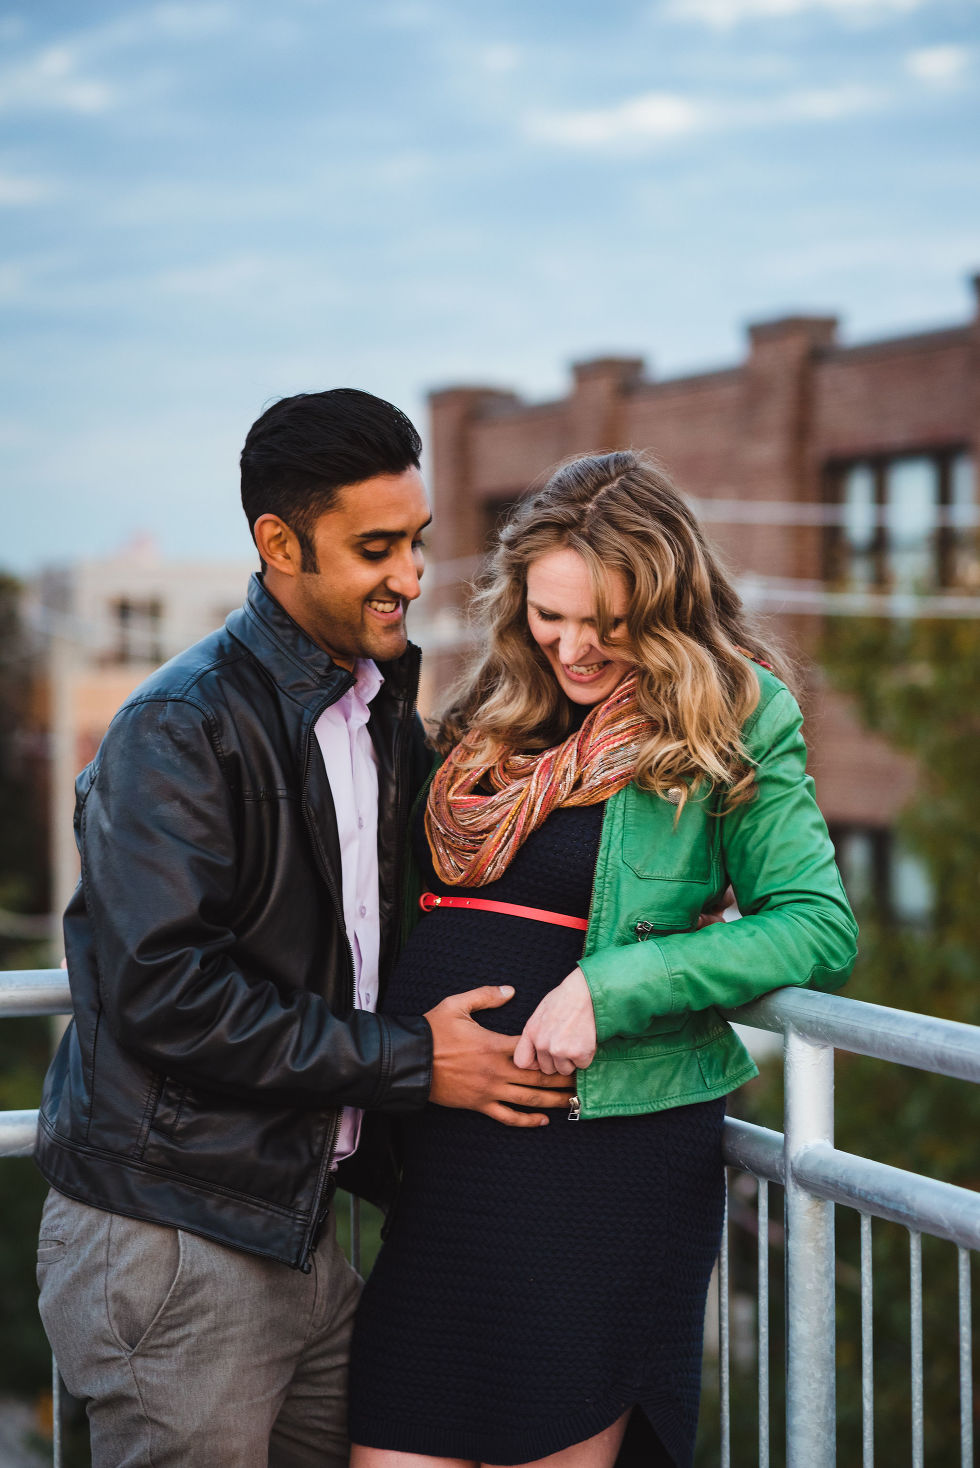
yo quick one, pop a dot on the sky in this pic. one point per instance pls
(206, 206)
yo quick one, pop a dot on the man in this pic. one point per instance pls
(241, 833)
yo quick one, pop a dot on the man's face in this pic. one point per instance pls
(369, 557)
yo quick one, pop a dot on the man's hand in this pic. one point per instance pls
(715, 911)
(560, 1036)
(473, 1069)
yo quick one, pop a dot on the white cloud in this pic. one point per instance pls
(61, 77)
(52, 80)
(15, 192)
(150, 24)
(939, 65)
(500, 58)
(726, 14)
(257, 286)
(823, 104)
(652, 117)
(15, 282)
(188, 22)
(661, 117)
(408, 15)
(215, 278)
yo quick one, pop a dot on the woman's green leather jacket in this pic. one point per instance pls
(657, 981)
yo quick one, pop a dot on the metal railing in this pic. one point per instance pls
(816, 1177)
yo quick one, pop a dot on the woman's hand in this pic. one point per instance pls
(560, 1036)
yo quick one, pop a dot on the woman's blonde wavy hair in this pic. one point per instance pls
(684, 628)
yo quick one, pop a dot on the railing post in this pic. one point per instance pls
(811, 1407)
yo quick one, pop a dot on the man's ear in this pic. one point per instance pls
(277, 545)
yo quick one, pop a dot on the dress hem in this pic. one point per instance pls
(436, 1441)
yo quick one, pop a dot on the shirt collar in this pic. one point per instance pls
(368, 679)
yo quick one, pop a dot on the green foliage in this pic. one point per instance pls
(24, 1044)
(24, 1051)
(22, 851)
(917, 684)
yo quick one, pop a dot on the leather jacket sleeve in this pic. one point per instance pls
(156, 823)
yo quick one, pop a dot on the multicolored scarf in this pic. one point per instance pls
(474, 836)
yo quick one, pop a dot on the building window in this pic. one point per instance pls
(907, 523)
(964, 535)
(136, 628)
(883, 878)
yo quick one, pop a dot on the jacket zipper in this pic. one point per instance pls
(644, 929)
(326, 1157)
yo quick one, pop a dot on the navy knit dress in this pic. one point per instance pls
(535, 1282)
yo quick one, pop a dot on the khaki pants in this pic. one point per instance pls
(191, 1355)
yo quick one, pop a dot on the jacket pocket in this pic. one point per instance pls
(170, 1104)
(658, 843)
(272, 1154)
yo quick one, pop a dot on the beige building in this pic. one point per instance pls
(107, 622)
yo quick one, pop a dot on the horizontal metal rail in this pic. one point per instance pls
(755, 1149)
(18, 1130)
(24, 993)
(28, 991)
(920, 1040)
(940, 1209)
(922, 1203)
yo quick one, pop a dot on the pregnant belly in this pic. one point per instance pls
(451, 951)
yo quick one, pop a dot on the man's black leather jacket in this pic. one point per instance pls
(214, 1038)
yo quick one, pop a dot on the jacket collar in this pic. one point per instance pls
(300, 668)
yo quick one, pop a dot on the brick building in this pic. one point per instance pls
(830, 478)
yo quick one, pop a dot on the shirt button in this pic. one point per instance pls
(362, 910)
(360, 823)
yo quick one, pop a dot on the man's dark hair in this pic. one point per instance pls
(305, 448)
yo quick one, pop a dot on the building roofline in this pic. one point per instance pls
(946, 336)
(500, 403)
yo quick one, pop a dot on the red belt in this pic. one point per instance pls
(429, 900)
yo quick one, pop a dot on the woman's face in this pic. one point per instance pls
(561, 616)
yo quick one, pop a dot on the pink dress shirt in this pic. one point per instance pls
(352, 770)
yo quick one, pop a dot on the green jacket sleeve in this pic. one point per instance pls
(796, 925)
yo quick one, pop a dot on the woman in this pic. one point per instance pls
(620, 753)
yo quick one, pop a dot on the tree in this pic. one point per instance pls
(916, 683)
(24, 1044)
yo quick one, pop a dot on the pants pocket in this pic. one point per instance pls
(143, 1277)
(60, 1220)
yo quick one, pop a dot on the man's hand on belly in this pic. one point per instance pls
(473, 1069)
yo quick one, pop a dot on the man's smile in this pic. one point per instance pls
(388, 609)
